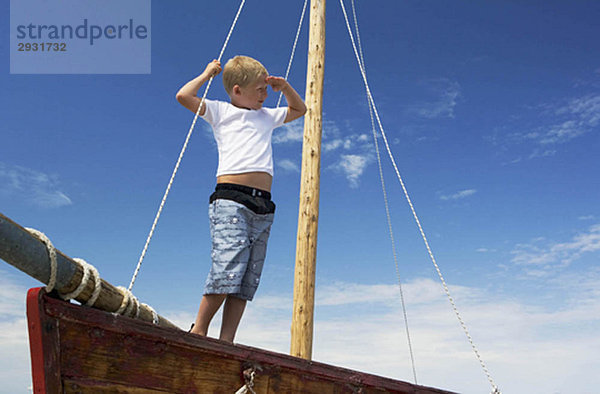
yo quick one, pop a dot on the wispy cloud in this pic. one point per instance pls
(542, 153)
(582, 116)
(33, 186)
(360, 326)
(14, 351)
(352, 166)
(289, 133)
(578, 116)
(351, 152)
(12, 295)
(346, 143)
(443, 97)
(555, 124)
(288, 165)
(458, 195)
(543, 257)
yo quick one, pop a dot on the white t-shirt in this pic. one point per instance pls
(243, 136)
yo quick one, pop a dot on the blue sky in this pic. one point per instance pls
(493, 114)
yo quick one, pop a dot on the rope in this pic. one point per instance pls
(248, 387)
(289, 66)
(129, 302)
(372, 101)
(386, 203)
(187, 139)
(51, 255)
(89, 271)
(97, 283)
(155, 318)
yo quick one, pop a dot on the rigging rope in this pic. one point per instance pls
(289, 66)
(385, 199)
(414, 213)
(183, 149)
(287, 72)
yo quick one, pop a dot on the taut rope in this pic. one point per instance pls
(387, 208)
(289, 66)
(183, 149)
(495, 389)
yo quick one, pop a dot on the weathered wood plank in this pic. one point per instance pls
(140, 361)
(84, 386)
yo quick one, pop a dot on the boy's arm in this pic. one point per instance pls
(296, 106)
(187, 95)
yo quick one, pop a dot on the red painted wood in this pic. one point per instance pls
(132, 343)
(43, 344)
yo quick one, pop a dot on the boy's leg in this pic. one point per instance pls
(209, 305)
(232, 314)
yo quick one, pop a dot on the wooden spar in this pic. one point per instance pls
(308, 216)
(19, 248)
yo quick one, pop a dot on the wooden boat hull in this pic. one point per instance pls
(76, 349)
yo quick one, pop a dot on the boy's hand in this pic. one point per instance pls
(296, 106)
(188, 94)
(213, 68)
(277, 83)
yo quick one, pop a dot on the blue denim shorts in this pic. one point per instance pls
(239, 246)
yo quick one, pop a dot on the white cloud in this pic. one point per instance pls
(33, 186)
(289, 133)
(445, 94)
(354, 149)
(288, 165)
(330, 129)
(542, 153)
(545, 257)
(332, 145)
(560, 124)
(15, 367)
(14, 349)
(352, 141)
(458, 195)
(13, 297)
(543, 128)
(341, 293)
(352, 166)
(360, 326)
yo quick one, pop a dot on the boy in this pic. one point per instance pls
(241, 210)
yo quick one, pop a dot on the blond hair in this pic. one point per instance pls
(242, 71)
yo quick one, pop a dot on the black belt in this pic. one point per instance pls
(257, 200)
(244, 189)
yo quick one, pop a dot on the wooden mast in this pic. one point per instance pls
(308, 216)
